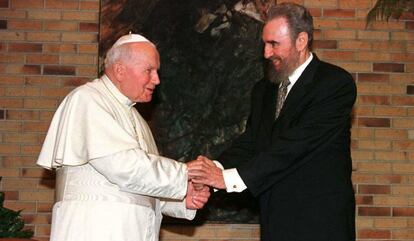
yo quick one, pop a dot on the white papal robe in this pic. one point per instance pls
(111, 183)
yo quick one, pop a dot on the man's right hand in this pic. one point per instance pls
(204, 171)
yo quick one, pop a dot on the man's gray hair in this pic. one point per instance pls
(298, 18)
(121, 52)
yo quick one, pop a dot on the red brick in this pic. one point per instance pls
(75, 81)
(3, 114)
(354, 45)
(392, 179)
(374, 189)
(89, 5)
(363, 200)
(22, 115)
(42, 59)
(25, 207)
(403, 100)
(40, 103)
(11, 103)
(389, 111)
(4, 3)
(37, 219)
(338, 55)
(30, 149)
(374, 100)
(42, 81)
(44, 36)
(11, 195)
(374, 122)
(372, 77)
(336, 34)
(88, 48)
(351, 24)
(403, 145)
(12, 58)
(372, 56)
(403, 57)
(25, 47)
(315, 12)
(20, 138)
(11, 80)
(388, 67)
(88, 27)
(44, 207)
(391, 134)
(35, 126)
(359, 4)
(60, 48)
(10, 126)
(410, 90)
(18, 161)
(38, 172)
(409, 26)
(58, 70)
(24, 24)
(87, 70)
(339, 13)
(372, 233)
(374, 211)
(23, 69)
(59, 4)
(403, 212)
(80, 16)
(27, 4)
(9, 149)
(55, 92)
(84, 37)
(61, 26)
(325, 44)
(388, 46)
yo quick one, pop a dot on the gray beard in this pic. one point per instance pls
(275, 76)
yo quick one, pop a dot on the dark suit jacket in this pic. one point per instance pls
(299, 166)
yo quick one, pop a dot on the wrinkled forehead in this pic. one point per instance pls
(144, 51)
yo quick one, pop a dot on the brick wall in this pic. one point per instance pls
(47, 47)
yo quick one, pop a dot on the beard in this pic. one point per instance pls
(287, 66)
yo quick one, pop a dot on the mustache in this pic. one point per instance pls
(273, 58)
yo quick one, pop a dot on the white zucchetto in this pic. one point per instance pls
(130, 38)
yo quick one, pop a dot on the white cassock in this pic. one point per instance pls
(111, 183)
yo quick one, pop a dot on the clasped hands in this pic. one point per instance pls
(202, 174)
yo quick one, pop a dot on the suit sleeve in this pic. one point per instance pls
(242, 148)
(323, 122)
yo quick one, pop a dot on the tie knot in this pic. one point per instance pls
(285, 83)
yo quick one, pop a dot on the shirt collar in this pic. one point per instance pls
(115, 92)
(298, 72)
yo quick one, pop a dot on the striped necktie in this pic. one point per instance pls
(281, 96)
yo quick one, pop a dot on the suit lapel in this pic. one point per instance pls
(300, 88)
(269, 107)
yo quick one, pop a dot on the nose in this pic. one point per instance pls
(155, 79)
(267, 52)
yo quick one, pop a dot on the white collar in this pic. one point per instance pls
(298, 72)
(115, 92)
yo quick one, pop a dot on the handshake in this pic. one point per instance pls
(202, 174)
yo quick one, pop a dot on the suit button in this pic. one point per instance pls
(234, 186)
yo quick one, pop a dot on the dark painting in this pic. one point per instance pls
(211, 56)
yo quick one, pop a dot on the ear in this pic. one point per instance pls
(301, 41)
(119, 70)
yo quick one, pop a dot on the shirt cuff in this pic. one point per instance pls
(233, 181)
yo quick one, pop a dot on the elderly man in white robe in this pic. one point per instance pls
(111, 182)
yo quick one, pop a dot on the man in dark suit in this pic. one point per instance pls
(296, 160)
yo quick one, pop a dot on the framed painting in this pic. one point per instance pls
(211, 56)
